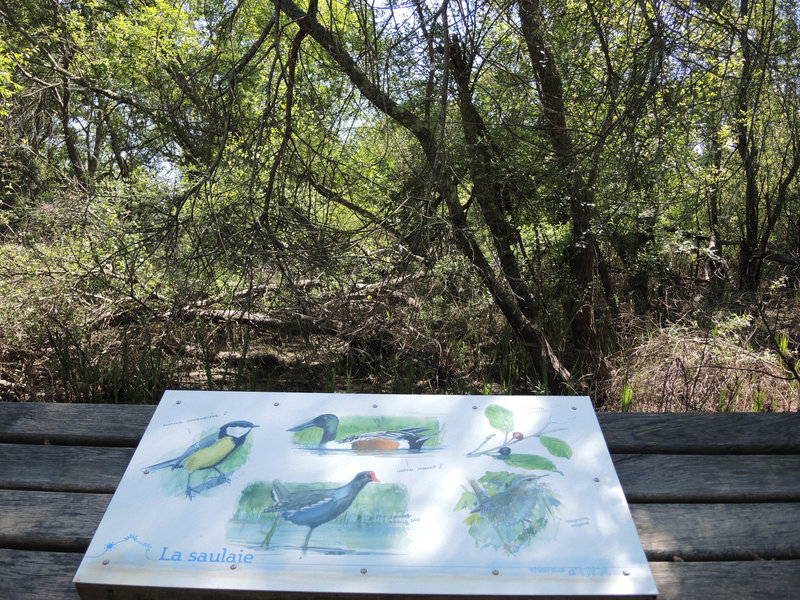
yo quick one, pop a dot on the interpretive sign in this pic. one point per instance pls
(368, 494)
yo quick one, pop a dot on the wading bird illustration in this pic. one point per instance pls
(209, 452)
(409, 438)
(312, 508)
(512, 506)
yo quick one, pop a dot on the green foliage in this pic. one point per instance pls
(627, 397)
(500, 418)
(510, 536)
(163, 164)
(527, 461)
(556, 446)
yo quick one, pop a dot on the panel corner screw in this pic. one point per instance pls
(574, 408)
(177, 401)
(363, 571)
(233, 567)
(596, 479)
(374, 406)
(106, 561)
(474, 407)
(146, 471)
(495, 572)
(626, 571)
(276, 404)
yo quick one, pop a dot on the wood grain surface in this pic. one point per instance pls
(67, 521)
(715, 497)
(661, 433)
(48, 576)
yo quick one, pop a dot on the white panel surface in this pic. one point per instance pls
(503, 495)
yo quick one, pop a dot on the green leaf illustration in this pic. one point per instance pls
(528, 461)
(556, 447)
(500, 418)
(467, 500)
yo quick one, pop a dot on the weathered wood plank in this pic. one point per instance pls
(48, 576)
(753, 580)
(62, 468)
(702, 433)
(31, 575)
(718, 532)
(52, 521)
(67, 521)
(684, 433)
(645, 478)
(663, 478)
(73, 424)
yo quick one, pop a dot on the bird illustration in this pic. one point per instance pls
(312, 508)
(209, 452)
(408, 438)
(512, 506)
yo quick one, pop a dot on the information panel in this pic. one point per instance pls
(369, 494)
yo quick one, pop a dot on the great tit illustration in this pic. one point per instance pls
(312, 508)
(209, 452)
(409, 438)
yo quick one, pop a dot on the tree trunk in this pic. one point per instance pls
(583, 255)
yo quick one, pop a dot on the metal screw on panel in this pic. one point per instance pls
(106, 561)
(574, 408)
(363, 571)
(495, 572)
(233, 567)
(474, 407)
(626, 572)
(596, 479)
(276, 404)
(177, 401)
(146, 471)
(374, 406)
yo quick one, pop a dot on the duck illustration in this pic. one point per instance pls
(312, 508)
(209, 452)
(408, 438)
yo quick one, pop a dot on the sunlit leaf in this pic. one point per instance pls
(528, 461)
(500, 418)
(556, 447)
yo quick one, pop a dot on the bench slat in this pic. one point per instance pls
(48, 576)
(51, 521)
(73, 424)
(645, 478)
(67, 521)
(689, 433)
(62, 468)
(754, 580)
(702, 433)
(700, 478)
(29, 575)
(718, 531)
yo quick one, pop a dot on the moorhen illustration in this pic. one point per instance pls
(409, 438)
(312, 508)
(209, 452)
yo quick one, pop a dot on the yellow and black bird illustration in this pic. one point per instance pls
(209, 452)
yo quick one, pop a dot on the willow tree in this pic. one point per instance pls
(548, 143)
(503, 134)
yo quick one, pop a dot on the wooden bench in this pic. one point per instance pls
(715, 497)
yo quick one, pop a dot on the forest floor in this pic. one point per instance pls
(720, 358)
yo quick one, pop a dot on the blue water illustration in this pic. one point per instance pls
(331, 538)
